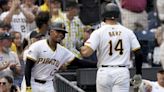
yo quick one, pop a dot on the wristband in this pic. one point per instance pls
(28, 87)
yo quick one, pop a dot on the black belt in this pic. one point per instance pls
(40, 81)
(113, 66)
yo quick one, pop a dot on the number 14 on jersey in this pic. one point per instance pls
(118, 47)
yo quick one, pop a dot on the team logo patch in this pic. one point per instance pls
(29, 52)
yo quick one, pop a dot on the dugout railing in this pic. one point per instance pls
(86, 79)
(64, 85)
(87, 76)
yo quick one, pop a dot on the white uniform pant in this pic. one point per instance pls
(39, 87)
(113, 79)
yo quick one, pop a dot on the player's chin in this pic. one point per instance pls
(59, 40)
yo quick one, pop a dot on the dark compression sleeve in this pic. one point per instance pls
(83, 63)
(28, 67)
(138, 61)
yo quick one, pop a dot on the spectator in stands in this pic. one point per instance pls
(160, 30)
(56, 13)
(74, 27)
(133, 13)
(30, 6)
(18, 17)
(18, 43)
(162, 47)
(87, 32)
(157, 49)
(6, 84)
(45, 6)
(3, 6)
(4, 27)
(10, 64)
(160, 7)
(42, 21)
(154, 86)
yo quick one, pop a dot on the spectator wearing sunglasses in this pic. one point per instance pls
(6, 84)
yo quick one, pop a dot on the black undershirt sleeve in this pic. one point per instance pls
(28, 67)
(80, 63)
(138, 61)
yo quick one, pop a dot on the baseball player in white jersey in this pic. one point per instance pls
(113, 43)
(44, 58)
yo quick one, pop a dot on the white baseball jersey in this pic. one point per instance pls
(18, 23)
(113, 44)
(47, 61)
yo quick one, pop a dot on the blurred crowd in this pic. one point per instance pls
(23, 22)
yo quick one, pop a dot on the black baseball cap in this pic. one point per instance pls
(3, 25)
(35, 34)
(6, 35)
(58, 26)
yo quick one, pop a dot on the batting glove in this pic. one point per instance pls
(136, 80)
(28, 89)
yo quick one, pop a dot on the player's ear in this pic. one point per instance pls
(49, 31)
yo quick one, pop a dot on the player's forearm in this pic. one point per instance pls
(86, 51)
(138, 61)
(28, 68)
(83, 63)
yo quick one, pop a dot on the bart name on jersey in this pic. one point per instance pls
(115, 33)
(48, 61)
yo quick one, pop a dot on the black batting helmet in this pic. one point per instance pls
(58, 26)
(111, 11)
